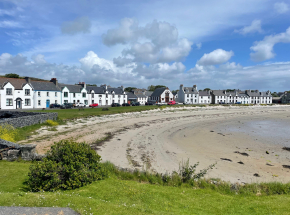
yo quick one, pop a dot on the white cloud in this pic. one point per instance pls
(39, 59)
(216, 57)
(281, 7)
(156, 42)
(10, 24)
(95, 70)
(263, 50)
(253, 28)
(80, 24)
(198, 45)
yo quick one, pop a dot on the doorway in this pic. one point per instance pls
(47, 103)
(18, 103)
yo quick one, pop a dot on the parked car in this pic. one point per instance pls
(54, 105)
(115, 105)
(222, 103)
(238, 103)
(94, 105)
(126, 104)
(80, 104)
(171, 103)
(135, 103)
(150, 103)
(66, 106)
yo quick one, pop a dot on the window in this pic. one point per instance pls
(86, 102)
(100, 96)
(55, 102)
(27, 92)
(9, 102)
(74, 95)
(84, 95)
(93, 102)
(65, 94)
(39, 102)
(93, 95)
(9, 91)
(106, 95)
(55, 94)
(65, 101)
(38, 94)
(47, 94)
(74, 101)
(27, 102)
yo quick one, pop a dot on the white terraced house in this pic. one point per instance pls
(190, 95)
(15, 93)
(257, 97)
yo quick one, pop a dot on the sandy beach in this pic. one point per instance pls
(242, 141)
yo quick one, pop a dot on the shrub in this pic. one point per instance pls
(51, 123)
(8, 132)
(105, 109)
(68, 165)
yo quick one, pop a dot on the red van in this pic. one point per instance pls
(171, 103)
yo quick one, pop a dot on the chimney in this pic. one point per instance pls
(181, 87)
(27, 79)
(83, 84)
(122, 87)
(54, 80)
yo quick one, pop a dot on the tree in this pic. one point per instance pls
(174, 91)
(274, 94)
(92, 85)
(12, 75)
(130, 89)
(152, 87)
(206, 89)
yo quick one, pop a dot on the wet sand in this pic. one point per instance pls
(159, 140)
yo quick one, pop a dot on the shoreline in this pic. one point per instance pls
(159, 140)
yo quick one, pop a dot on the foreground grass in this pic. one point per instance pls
(116, 196)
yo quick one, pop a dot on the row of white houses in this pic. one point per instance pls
(190, 95)
(16, 93)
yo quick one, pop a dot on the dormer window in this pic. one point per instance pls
(8, 91)
(84, 95)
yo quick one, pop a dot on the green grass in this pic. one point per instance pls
(69, 114)
(116, 196)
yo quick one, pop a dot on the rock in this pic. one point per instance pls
(28, 152)
(13, 155)
(267, 152)
(257, 175)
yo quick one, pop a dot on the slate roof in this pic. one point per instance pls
(258, 94)
(18, 83)
(204, 93)
(218, 93)
(44, 85)
(190, 90)
(131, 95)
(117, 90)
(158, 92)
(148, 93)
(140, 95)
(243, 95)
(97, 90)
(72, 87)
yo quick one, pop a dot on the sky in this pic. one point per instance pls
(225, 44)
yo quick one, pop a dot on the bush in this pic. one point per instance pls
(51, 123)
(68, 165)
(8, 132)
(105, 109)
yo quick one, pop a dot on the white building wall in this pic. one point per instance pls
(205, 99)
(41, 98)
(16, 94)
(162, 96)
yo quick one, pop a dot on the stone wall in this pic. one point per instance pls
(22, 119)
(12, 151)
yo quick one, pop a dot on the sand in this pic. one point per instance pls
(159, 140)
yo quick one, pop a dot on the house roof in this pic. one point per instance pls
(218, 93)
(44, 85)
(158, 92)
(117, 90)
(72, 87)
(131, 95)
(140, 95)
(243, 95)
(148, 93)
(204, 93)
(190, 90)
(97, 90)
(18, 83)
(259, 94)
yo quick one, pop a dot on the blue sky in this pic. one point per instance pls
(223, 44)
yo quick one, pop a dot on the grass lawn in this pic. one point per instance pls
(116, 196)
(68, 114)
